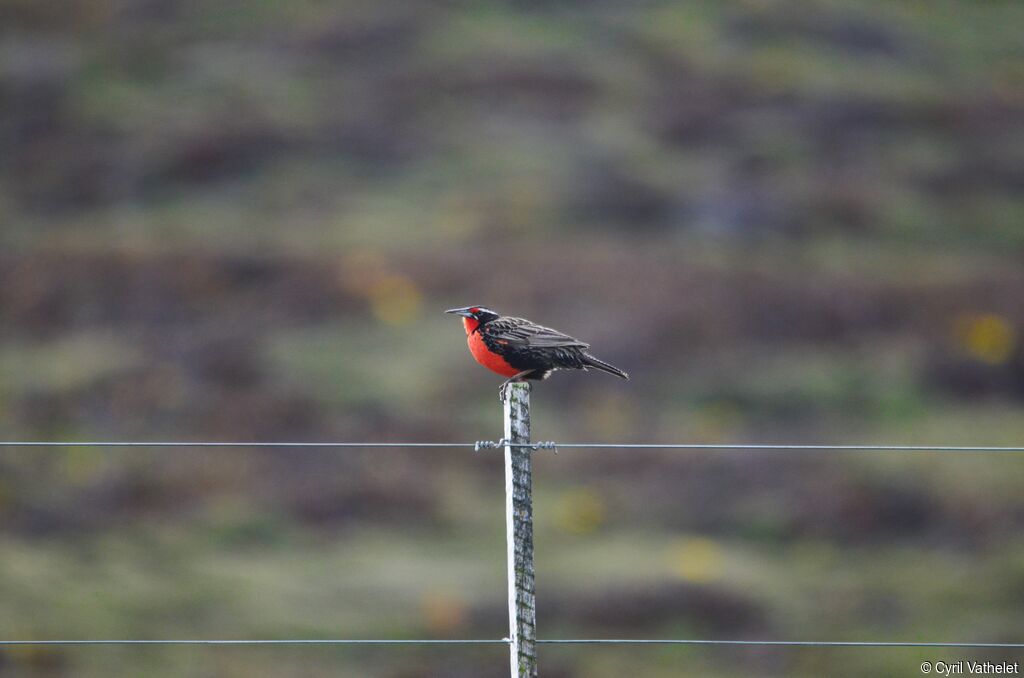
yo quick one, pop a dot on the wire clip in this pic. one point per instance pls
(498, 444)
(488, 445)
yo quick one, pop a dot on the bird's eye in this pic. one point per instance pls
(474, 310)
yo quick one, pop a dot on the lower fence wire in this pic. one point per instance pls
(482, 445)
(259, 641)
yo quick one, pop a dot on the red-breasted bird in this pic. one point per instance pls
(519, 349)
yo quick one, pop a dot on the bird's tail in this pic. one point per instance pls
(591, 361)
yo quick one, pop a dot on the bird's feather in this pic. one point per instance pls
(519, 332)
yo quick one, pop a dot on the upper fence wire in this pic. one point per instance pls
(491, 444)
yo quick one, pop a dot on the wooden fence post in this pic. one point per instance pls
(522, 611)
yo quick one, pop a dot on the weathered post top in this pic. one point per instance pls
(522, 612)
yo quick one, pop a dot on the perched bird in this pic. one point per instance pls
(519, 349)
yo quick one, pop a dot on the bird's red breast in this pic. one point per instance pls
(484, 355)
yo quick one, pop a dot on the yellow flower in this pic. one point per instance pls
(697, 560)
(395, 300)
(985, 336)
(580, 511)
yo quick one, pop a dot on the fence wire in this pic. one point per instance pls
(506, 641)
(495, 444)
(482, 445)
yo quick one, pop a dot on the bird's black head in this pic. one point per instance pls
(478, 315)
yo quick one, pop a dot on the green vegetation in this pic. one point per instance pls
(790, 222)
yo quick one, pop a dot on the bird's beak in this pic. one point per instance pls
(464, 312)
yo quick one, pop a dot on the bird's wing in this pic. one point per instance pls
(521, 332)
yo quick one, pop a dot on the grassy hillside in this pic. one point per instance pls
(790, 222)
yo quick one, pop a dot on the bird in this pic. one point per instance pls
(520, 349)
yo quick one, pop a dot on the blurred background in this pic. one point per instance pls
(793, 222)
